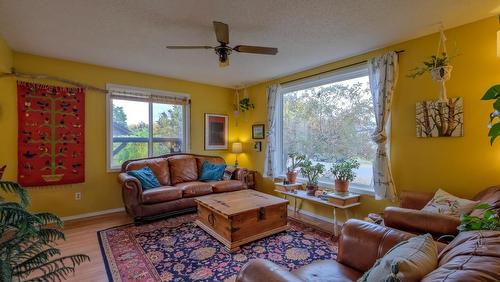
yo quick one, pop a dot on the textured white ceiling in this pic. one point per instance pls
(132, 34)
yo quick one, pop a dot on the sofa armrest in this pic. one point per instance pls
(414, 200)
(370, 240)
(258, 270)
(240, 174)
(420, 221)
(132, 188)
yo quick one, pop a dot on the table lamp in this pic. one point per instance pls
(237, 148)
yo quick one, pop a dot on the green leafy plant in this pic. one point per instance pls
(343, 169)
(489, 220)
(433, 62)
(27, 240)
(494, 125)
(246, 105)
(295, 160)
(312, 172)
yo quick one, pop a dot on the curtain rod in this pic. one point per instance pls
(14, 73)
(332, 70)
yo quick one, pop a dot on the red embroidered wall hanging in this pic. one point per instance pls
(51, 134)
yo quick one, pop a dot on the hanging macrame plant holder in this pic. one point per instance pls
(441, 74)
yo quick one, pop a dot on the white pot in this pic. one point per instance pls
(441, 73)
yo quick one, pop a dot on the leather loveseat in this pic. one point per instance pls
(472, 256)
(410, 218)
(178, 174)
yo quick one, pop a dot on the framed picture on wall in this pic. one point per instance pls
(216, 131)
(257, 146)
(258, 131)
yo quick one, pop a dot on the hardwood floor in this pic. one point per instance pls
(81, 237)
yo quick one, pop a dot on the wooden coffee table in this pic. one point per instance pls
(240, 217)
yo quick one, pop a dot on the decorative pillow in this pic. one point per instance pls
(228, 172)
(447, 204)
(211, 171)
(146, 176)
(408, 261)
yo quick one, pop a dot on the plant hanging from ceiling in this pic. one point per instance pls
(241, 105)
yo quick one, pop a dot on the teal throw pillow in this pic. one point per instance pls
(211, 171)
(146, 176)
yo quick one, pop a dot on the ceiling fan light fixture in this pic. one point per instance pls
(224, 64)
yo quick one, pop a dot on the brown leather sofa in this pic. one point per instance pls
(178, 174)
(472, 256)
(410, 218)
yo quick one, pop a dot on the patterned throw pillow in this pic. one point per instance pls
(228, 172)
(408, 261)
(447, 204)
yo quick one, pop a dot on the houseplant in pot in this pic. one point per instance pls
(312, 172)
(294, 162)
(343, 173)
(440, 69)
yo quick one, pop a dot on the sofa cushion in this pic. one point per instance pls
(146, 176)
(182, 169)
(211, 171)
(159, 166)
(161, 194)
(227, 186)
(327, 270)
(471, 256)
(447, 204)
(194, 188)
(214, 160)
(409, 261)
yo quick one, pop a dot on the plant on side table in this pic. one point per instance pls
(343, 171)
(27, 242)
(296, 161)
(312, 172)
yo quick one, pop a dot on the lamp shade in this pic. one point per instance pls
(237, 148)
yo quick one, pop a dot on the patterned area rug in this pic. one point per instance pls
(176, 249)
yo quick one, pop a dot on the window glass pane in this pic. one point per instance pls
(329, 122)
(130, 125)
(168, 128)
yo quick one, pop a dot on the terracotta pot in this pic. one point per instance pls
(291, 176)
(311, 189)
(341, 186)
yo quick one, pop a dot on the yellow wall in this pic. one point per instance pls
(101, 190)
(463, 166)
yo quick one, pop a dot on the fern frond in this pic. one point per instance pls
(58, 274)
(37, 260)
(54, 265)
(13, 187)
(46, 218)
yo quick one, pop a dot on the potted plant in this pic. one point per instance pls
(27, 241)
(312, 172)
(343, 172)
(494, 94)
(296, 161)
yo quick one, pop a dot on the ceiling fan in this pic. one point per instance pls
(223, 50)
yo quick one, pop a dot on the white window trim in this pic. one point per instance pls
(318, 80)
(126, 88)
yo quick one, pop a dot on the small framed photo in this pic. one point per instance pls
(216, 131)
(257, 146)
(258, 131)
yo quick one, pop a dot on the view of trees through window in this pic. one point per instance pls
(330, 122)
(131, 130)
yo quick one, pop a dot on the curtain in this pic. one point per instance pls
(383, 75)
(271, 162)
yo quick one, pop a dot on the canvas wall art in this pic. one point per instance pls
(438, 119)
(51, 147)
(216, 132)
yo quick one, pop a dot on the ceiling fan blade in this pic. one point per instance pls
(190, 47)
(256, 49)
(221, 32)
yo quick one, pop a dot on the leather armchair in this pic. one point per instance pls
(410, 218)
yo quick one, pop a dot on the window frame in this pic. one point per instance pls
(144, 91)
(314, 81)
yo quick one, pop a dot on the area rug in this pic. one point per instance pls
(176, 249)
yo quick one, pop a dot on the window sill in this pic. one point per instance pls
(353, 187)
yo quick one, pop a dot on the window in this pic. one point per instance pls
(144, 123)
(329, 117)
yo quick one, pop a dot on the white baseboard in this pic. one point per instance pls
(91, 214)
(311, 214)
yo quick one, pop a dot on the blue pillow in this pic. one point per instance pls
(146, 177)
(212, 171)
